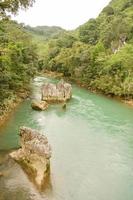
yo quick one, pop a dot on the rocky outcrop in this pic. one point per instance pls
(59, 92)
(34, 155)
(39, 105)
(117, 45)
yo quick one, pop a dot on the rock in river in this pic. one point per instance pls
(59, 92)
(39, 105)
(34, 155)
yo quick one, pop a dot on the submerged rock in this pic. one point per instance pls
(34, 155)
(39, 105)
(59, 92)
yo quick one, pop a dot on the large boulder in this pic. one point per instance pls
(59, 92)
(39, 105)
(34, 155)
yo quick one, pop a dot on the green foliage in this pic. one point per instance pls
(99, 54)
(120, 5)
(12, 6)
(18, 59)
(65, 41)
(108, 10)
(88, 32)
(45, 32)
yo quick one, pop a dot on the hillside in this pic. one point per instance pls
(40, 36)
(99, 53)
(45, 32)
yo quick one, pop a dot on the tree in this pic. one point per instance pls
(108, 10)
(12, 6)
(18, 60)
(88, 32)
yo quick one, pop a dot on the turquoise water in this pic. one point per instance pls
(92, 143)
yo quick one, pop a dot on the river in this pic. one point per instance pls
(92, 144)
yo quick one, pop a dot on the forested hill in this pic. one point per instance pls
(40, 35)
(46, 32)
(113, 26)
(98, 54)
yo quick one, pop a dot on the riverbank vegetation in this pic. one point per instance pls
(98, 54)
(18, 58)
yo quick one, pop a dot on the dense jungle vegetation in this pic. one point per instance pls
(18, 58)
(99, 53)
(45, 32)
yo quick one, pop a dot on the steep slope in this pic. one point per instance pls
(99, 54)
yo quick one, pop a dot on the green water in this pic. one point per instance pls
(92, 143)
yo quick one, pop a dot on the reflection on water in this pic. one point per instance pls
(92, 146)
